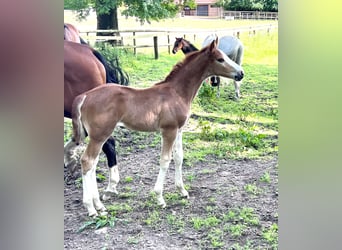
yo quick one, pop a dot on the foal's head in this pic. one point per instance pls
(221, 64)
(177, 45)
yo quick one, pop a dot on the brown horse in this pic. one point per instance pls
(230, 45)
(164, 107)
(72, 34)
(85, 69)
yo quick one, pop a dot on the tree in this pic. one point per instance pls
(106, 10)
(252, 5)
(269, 5)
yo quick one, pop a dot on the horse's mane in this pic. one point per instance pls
(189, 57)
(190, 47)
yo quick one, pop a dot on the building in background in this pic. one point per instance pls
(204, 8)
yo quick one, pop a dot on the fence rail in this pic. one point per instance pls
(231, 15)
(155, 38)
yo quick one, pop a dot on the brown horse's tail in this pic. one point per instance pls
(78, 129)
(114, 73)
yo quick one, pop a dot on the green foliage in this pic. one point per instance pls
(189, 3)
(265, 177)
(199, 223)
(271, 234)
(98, 222)
(143, 10)
(252, 5)
(250, 139)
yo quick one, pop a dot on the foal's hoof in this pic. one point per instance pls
(161, 202)
(108, 194)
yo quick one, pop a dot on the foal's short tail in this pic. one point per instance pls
(77, 125)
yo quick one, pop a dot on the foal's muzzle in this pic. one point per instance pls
(239, 76)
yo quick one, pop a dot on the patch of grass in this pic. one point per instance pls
(78, 182)
(252, 189)
(98, 222)
(271, 235)
(237, 229)
(100, 177)
(216, 238)
(119, 208)
(153, 218)
(177, 223)
(265, 177)
(244, 216)
(199, 223)
(128, 179)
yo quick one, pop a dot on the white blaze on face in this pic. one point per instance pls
(230, 62)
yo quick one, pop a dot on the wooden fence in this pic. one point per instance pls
(157, 38)
(231, 15)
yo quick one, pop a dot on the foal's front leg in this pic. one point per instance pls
(178, 159)
(168, 138)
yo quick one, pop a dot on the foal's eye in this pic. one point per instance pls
(221, 60)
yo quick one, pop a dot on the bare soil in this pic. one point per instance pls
(216, 186)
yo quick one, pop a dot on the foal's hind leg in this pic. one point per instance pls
(114, 177)
(168, 138)
(89, 161)
(178, 159)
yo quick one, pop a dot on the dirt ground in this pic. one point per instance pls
(216, 186)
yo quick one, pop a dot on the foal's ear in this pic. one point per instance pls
(213, 44)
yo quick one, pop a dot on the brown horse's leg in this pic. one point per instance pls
(168, 138)
(89, 161)
(109, 149)
(178, 159)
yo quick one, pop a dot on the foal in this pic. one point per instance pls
(163, 107)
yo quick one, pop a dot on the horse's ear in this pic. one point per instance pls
(213, 45)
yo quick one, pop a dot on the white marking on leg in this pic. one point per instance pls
(114, 178)
(87, 180)
(178, 159)
(158, 188)
(96, 197)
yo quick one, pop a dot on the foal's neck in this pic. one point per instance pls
(189, 77)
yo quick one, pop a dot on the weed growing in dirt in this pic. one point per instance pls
(252, 189)
(271, 235)
(98, 222)
(265, 177)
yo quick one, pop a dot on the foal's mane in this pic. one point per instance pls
(189, 57)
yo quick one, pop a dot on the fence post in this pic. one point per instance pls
(155, 44)
(134, 44)
(168, 41)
